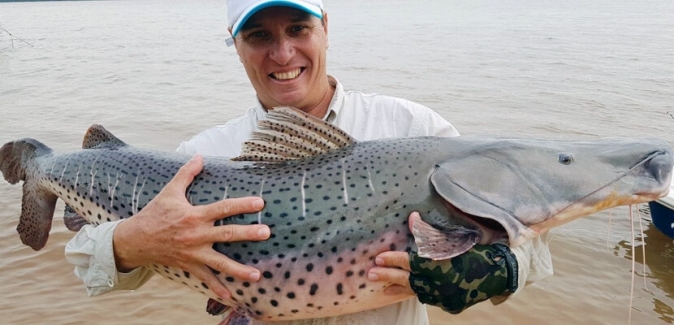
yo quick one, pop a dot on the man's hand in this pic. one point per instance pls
(170, 231)
(455, 284)
(394, 267)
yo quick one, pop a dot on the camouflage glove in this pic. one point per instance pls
(455, 284)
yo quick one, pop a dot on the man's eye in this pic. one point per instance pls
(296, 29)
(258, 34)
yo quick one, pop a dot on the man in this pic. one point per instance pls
(282, 46)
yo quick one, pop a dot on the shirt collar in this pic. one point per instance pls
(336, 102)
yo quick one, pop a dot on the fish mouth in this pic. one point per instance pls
(490, 230)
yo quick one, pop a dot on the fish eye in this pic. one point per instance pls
(565, 159)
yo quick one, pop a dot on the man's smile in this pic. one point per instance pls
(287, 75)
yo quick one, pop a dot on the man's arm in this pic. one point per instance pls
(168, 231)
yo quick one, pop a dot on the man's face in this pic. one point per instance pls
(283, 51)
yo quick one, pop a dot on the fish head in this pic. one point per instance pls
(521, 188)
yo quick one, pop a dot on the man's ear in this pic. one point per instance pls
(325, 28)
(229, 29)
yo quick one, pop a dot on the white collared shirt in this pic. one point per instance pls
(363, 116)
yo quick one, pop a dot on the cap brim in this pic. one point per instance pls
(250, 11)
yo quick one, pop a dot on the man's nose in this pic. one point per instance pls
(282, 51)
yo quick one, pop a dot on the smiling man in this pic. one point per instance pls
(283, 50)
(282, 46)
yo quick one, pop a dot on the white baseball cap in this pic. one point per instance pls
(238, 11)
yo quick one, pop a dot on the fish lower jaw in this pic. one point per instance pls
(579, 210)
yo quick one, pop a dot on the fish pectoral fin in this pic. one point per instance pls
(72, 220)
(442, 244)
(289, 134)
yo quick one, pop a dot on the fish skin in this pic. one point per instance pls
(329, 214)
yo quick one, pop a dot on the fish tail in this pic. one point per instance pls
(17, 163)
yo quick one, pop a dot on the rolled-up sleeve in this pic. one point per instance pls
(91, 251)
(534, 263)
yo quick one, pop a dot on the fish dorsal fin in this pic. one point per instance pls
(98, 137)
(289, 134)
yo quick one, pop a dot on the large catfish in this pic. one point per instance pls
(333, 203)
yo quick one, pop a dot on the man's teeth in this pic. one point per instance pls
(287, 75)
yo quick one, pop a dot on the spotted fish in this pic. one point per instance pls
(334, 203)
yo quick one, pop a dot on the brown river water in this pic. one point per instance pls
(157, 72)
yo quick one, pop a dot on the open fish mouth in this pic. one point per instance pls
(490, 230)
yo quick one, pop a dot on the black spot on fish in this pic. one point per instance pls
(274, 303)
(328, 270)
(314, 288)
(310, 267)
(340, 289)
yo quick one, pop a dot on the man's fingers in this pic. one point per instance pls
(394, 259)
(208, 278)
(185, 175)
(386, 274)
(400, 279)
(232, 207)
(225, 265)
(397, 290)
(234, 233)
